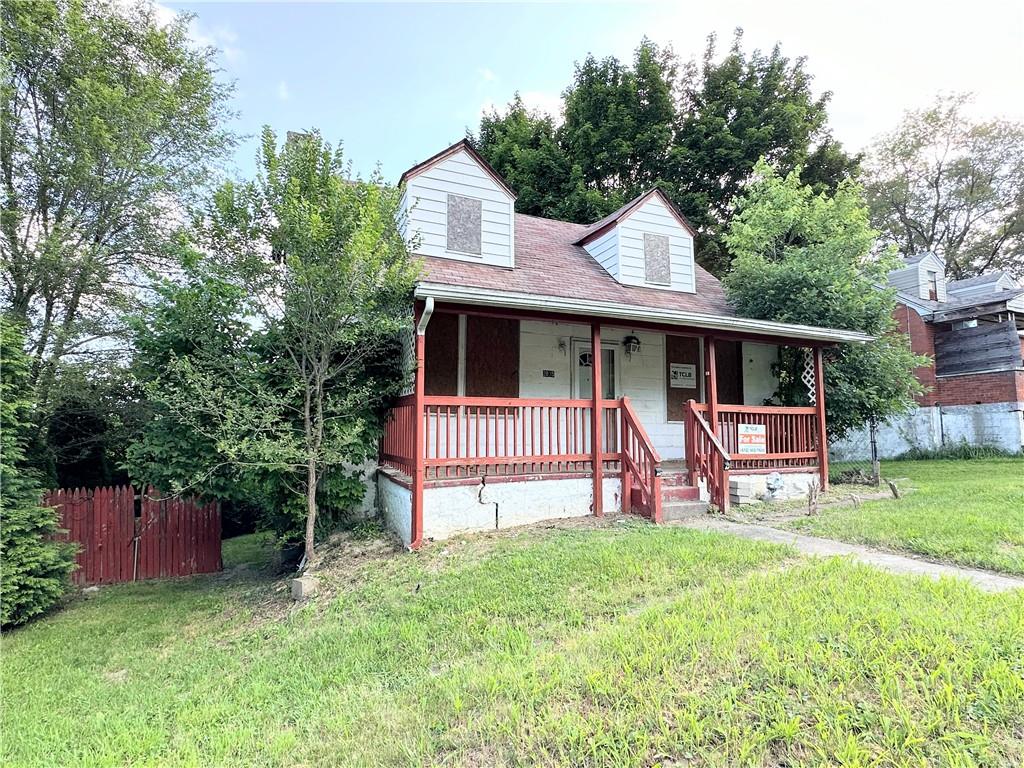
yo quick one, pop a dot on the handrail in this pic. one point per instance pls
(706, 457)
(641, 465)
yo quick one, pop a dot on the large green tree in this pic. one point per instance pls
(945, 183)
(806, 257)
(695, 131)
(110, 122)
(322, 280)
(34, 567)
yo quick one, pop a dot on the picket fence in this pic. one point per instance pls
(170, 537)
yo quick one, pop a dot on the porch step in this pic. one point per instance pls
(671, 493)
(671, 479)
(683, 510)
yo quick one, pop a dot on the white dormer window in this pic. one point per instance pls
(657, 260)
(647, 242)
(933, 285)
(456, 206)
(465, 225)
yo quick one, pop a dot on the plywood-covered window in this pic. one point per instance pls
(683, 374)
(657, 262)
(492, 357)
(465, 224)
(441, 355)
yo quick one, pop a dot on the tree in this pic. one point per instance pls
(322, 283)
(34, 567)
(805, 257)
(735, 112)
(110, 124)
(694, 131)
(941, 182)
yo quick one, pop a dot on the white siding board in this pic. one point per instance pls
(654, 217)
(428, 210)
(605, 251)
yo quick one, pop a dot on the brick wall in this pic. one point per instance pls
(922, 342)
(1001, 387)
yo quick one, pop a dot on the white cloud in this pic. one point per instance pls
(487, 75)
(221, 37)
(282, 91)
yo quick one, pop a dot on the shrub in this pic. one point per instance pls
(34, 567)
(956, 451)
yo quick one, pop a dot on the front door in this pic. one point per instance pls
(584, 357)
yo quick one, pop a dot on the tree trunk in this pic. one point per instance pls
(310, 508)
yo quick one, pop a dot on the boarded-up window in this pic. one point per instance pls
(657, 266)
(492, 357)
(729, 366)
(682, 354)
(464, 224)
(441, 355)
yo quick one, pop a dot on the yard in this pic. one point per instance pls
(965, 512)
(585, 644)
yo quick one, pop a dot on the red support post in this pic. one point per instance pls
(711, 372)
(819, 405)
(595, 417)
(625, 438)
(418, 438)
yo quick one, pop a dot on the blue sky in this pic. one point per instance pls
(398, 82)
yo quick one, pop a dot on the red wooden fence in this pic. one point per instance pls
(171, 537)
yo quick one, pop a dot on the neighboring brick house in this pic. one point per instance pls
(973, 332)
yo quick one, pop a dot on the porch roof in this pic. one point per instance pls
(553, 274)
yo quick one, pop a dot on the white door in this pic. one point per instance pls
(584, 369)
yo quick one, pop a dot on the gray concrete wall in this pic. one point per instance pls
(928, 428)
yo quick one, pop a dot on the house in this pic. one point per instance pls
(972, 332)
(565, 369)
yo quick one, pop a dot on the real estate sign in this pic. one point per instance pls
(753, 438)
(683, 376)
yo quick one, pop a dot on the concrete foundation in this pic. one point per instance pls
(499, 503)
(750, 489)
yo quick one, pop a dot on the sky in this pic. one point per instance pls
(396, 83)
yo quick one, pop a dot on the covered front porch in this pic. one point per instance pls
(505, 396)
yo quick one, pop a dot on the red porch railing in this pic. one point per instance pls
(473, 436)
(397, 446)
(791, 434)
(641, 466)
(706, 457)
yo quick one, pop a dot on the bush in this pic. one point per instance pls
(962, 451)
(33, 567)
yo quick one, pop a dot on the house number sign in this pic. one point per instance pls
(682, 376)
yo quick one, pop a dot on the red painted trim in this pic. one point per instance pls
(711, 371)
(769, 470)
(767, 409)
(626, 324)
(419, 437)
(819, 404)
(596, 418)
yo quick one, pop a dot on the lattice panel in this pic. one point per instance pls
(807, 377)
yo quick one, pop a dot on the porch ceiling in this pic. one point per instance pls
(587, 309)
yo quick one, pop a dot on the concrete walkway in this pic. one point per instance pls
(811, 545)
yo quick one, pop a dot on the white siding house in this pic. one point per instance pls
(647, 243)
(920, 275)
(456, 209)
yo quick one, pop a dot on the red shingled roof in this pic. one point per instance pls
(549, 263)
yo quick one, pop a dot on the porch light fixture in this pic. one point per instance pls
(631, 344)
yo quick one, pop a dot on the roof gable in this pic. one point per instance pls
(601, 226)
(461, 145)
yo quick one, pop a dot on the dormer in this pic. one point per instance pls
(457, 207)
(922, 276)
(647, 242)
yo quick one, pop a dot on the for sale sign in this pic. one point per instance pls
(753, 438)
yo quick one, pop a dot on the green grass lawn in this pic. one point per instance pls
(615, 646)
(965, 512)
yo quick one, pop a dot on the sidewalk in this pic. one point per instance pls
(989, 581)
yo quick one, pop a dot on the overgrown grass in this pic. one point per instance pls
(966, 512)
(962, 451)
(620, 646)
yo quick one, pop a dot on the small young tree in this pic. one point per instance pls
(801, 257)
(34, 567)
(324, 282)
